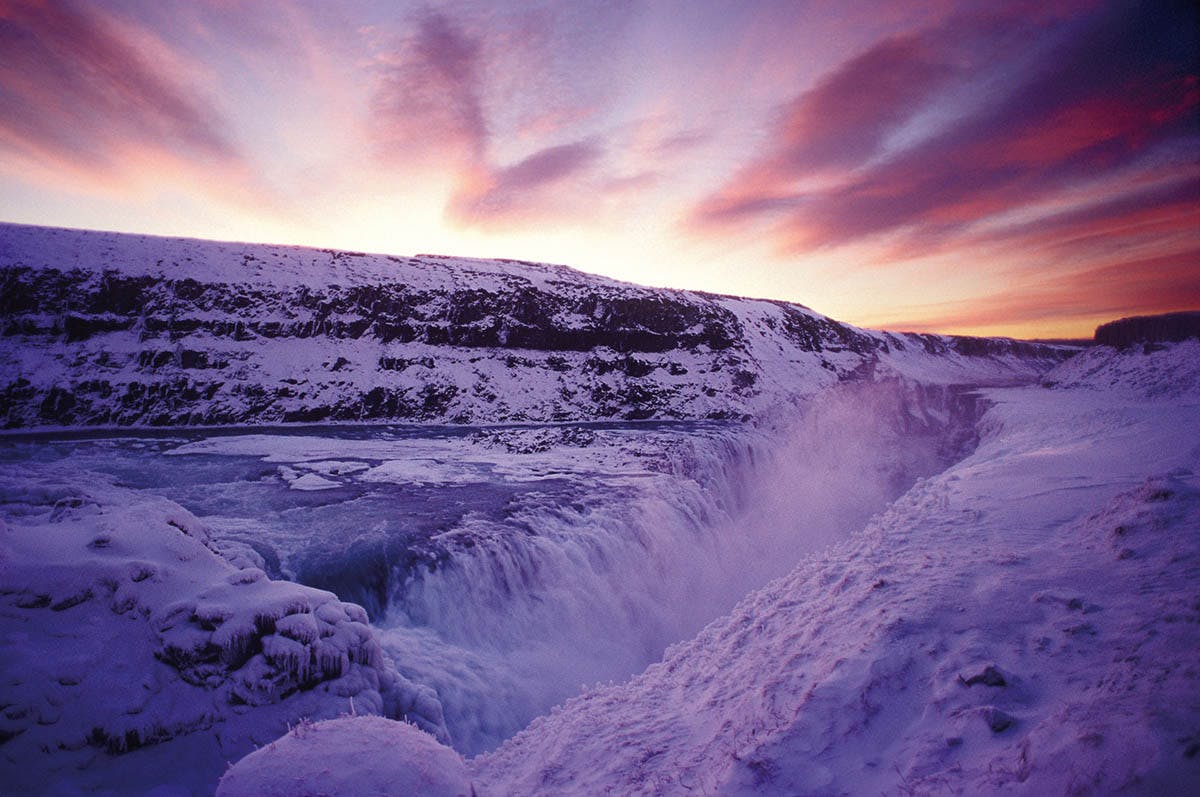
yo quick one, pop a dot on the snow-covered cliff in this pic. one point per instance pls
(125, 330)
(498, 567)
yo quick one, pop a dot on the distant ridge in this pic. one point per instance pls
(1166, 328)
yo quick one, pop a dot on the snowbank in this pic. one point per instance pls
(1152, 370)
(363, 756)
(130, 645)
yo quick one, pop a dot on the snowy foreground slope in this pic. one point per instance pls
(1026, 621)
(125, 330)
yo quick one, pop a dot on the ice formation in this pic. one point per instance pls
(130, 643)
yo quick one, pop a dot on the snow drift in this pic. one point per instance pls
(328, 758)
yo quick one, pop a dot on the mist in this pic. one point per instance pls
(560, 597)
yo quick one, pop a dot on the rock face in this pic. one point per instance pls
(1166, 328)
(122, 330)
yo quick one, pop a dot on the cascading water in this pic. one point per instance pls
(529, 606)
(505, 568)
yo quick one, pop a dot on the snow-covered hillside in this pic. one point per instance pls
(1025, 621)
(125, 330)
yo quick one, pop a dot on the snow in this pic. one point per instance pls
(264, 264)
(844, 676)
(572, 554)
(252, 333)
(1151, 370)
(1024, 621)
(1019, 614)
(308, 481)
(130, 643)
(366, 756)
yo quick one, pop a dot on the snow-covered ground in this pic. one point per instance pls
(1027, 621)
(985, 566)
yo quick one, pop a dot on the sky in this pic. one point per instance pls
(1014, 168)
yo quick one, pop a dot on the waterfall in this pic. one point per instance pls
(526, 607)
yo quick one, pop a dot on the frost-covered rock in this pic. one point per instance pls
(359, 756)
(127, 640)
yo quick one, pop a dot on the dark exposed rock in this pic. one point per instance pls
(1167, 328)
(990, 676)
(997, 720)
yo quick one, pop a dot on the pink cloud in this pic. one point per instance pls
(427, 106)
(527, 190)
(1126, 286)
(1109, 87)
(839, 124)
(77, 91)
(845, 119)
(431, 115)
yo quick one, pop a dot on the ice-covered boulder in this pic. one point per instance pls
(351, 756)
(125, 634)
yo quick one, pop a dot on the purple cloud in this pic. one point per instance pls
(845, 120)
(526, 188)
(1172, 208)
(428, 100)
(430, 107)
(1111, 85)
(1125, 286)
(76, 90)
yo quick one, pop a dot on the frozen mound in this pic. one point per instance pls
(1153, 370)
(126, 635)
(358, 756)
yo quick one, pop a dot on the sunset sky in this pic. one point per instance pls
(1027, 169)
